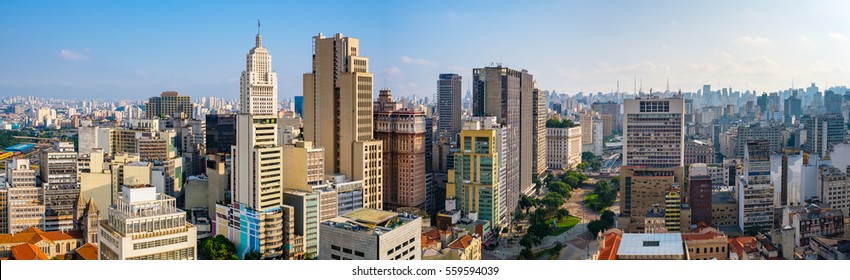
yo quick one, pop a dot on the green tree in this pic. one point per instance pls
(753, 231)
(254, 255)
(526, 254)
(553, 200)
(560, 188)
(583, 166)
(596, 226)
(526, 202)
(218, 248)
(563, 213)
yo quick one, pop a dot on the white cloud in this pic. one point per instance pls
(393, 71)
(723, 54)
(68, 54)
(805, 39)
(418, 61)
(460, 70)
(640, 68)
(753, 41)
(837, 36)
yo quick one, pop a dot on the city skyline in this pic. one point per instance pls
(70, 50)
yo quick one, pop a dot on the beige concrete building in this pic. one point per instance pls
(369, 234)
(95, 179)
(834, 188)
(119, 160)
(59, 185)
(402, 131)
(146, 225)
(338, 113)
(169, 103)
(706, 244)
(586, 122)
(218, 179)
(564, 147)
(654, 132)
(25, 207)
(640, 189)
(304, 166)
(724, 209)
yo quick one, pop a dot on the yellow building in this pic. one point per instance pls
(708, 243)
(474, 183)
(304, 166)
(673, 210)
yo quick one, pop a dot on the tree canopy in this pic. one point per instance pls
(563, 123)
(218, 248)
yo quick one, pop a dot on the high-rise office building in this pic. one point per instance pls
(402, 131)
(338, 114)
(755, 189)
(299, 104)
(771, 133)
(169, 103)
(146, 225)
(25, 207)
(832, 102)
(699, 198)
(611, 109)
(474, 183)
(793, 108)
(653, 132)
(91, 137)
(254, 217)
(221, 133)
(538, 141)
(448, 106)
(504, 93)
(58, 173)
(823, 132)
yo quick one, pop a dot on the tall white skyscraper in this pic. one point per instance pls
(254, 218)
(258, 91)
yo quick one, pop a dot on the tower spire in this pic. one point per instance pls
(259, 37)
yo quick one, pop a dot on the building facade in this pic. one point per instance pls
(449, 106)
(755, 189)
(369, 234)
(146, 225)
(169, 103)
(653, 132)
(338, 114)
(58, 170)
(474, 182)
(402, 131)
(564, 147)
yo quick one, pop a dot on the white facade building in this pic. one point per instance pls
(563, 146)
(146, 225)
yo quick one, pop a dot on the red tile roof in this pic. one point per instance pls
(609, 249)
(461, 243)
(28, 251)
(88, 251)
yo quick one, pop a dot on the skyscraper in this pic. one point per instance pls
(474, 182)
(755, 189)
(505, 93)
(254, 218)
(654, 132)
(23, 198)
(58, 168)
(448, 106)
(169, 103)
(338, 114)
(402, 131)
(823, 132)
(538, 142)
(793, 108)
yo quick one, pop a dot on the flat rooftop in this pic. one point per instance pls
(650, 244)
(371, 216)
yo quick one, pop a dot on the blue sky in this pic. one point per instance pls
(128, 49)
